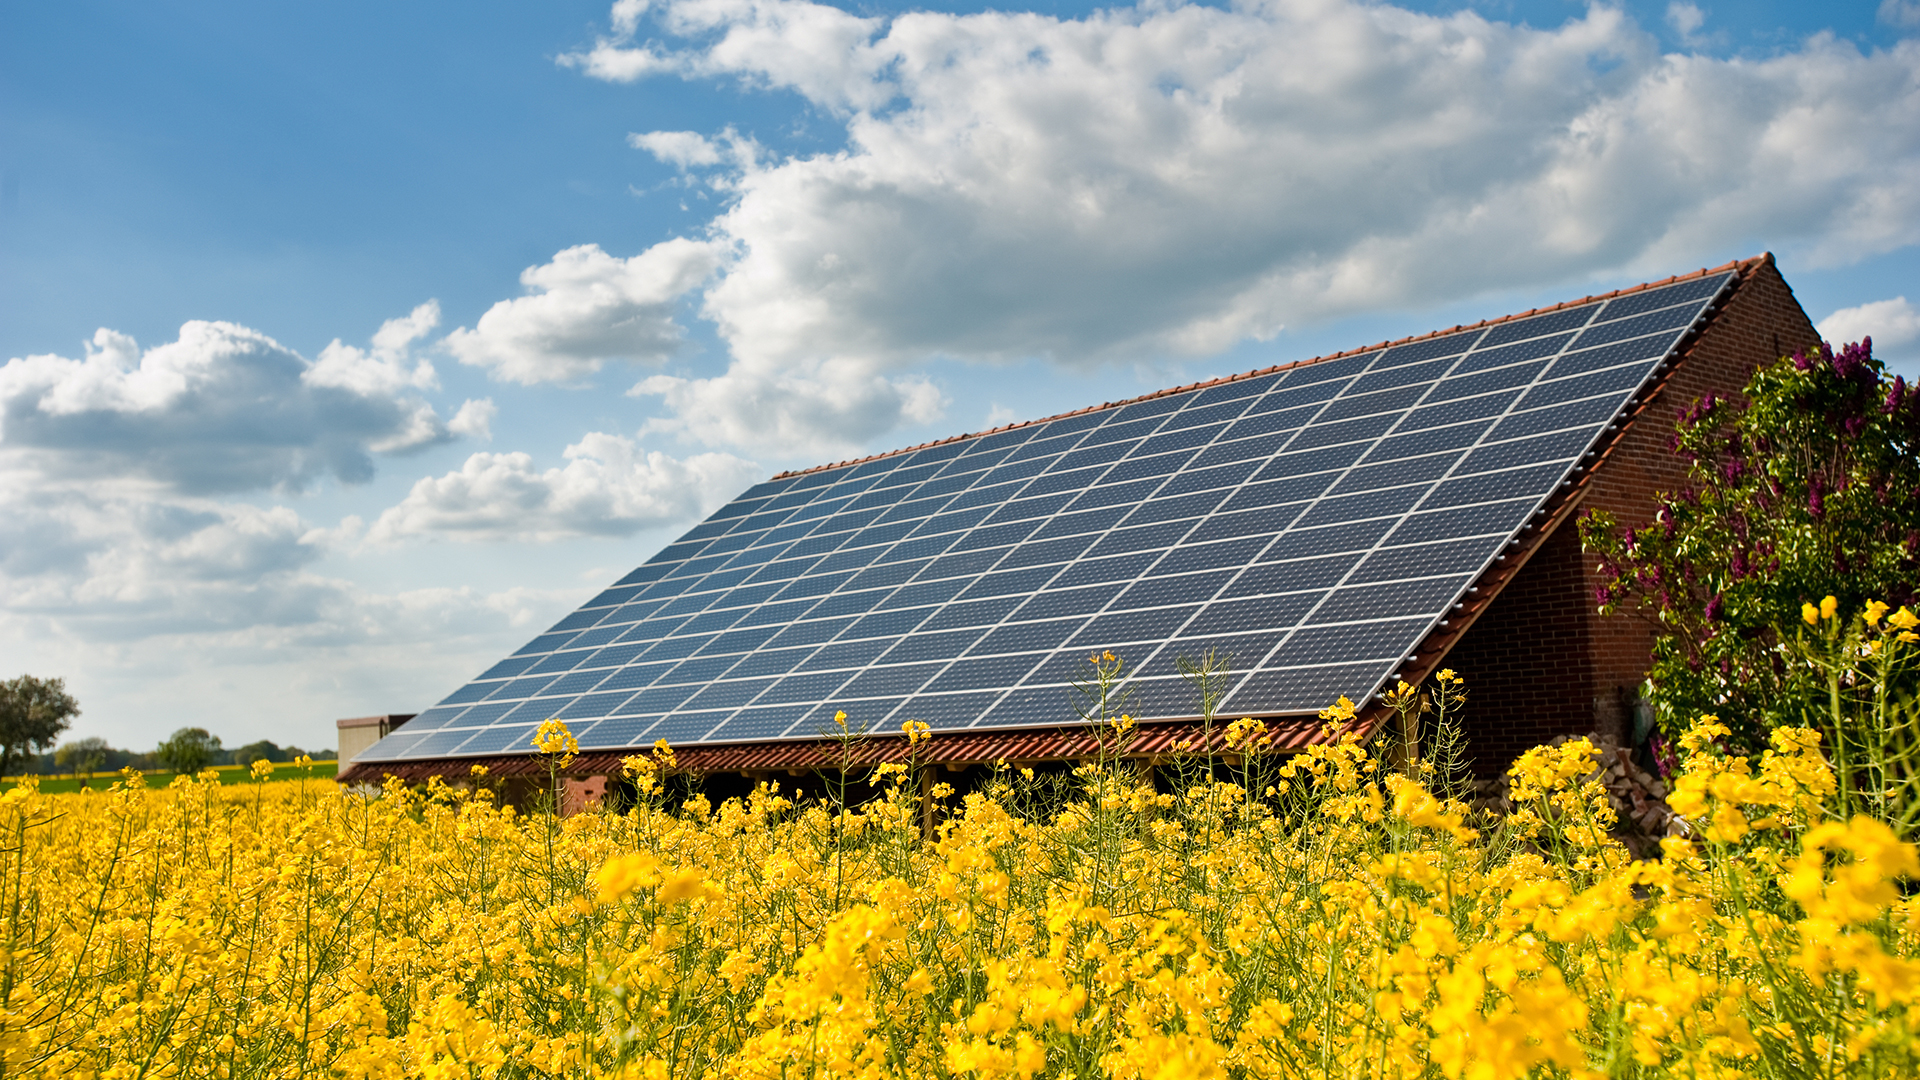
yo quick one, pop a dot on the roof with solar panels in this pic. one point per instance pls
(1321, 523)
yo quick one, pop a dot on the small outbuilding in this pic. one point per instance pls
(359, 733)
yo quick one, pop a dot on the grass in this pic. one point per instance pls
(56, 784)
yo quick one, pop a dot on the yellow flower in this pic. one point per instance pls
(621, 875)
(1904, 619)
(1810, 614)
(1339, 712)
(916, 731)
(554, 738)
(1859, 890)
(1829, 607)
(1875, 609)
(1247, 732)
(683, 885)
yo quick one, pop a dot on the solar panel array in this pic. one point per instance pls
(1313, 523)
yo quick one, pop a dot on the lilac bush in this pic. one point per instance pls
(1808, 488)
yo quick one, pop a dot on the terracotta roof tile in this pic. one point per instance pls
(1290, 734)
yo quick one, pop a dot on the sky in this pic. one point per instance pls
(345, 346)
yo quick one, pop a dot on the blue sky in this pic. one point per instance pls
(348, 345)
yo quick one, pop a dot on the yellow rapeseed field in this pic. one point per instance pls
(1316, 915)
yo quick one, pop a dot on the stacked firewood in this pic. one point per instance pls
(1638, 798)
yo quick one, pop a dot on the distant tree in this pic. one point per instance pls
(188, 750)
(1809, 488)
(83, 756)
(33, 713)
(264, 750)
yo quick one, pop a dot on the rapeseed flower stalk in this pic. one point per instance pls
(1355, 921)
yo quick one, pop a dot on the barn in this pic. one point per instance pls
(1331, 525)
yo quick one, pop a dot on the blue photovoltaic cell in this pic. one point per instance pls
(1094, 571)
(470, 693)
(1594, 412)
(762, 721)
(1500, 517)
(944, 712)
(532, 712)
(975, 613)
(1553, 323)
(510, 667)
(619, 732)
(1293, 576)
(438, 744)
(1211, 556)
(593, 706)
(494, 740)
(1022, 637)
(1373, 601)
(599, 635)
(1670, 319)
(1125, 626)
(1303, 689)
(992, 671)
(1421, 560)
(1267, 521)
(1445, 345)
(1025, 707)
(1258, 613)
(1155, 591)
(1486, 382)
(577, 683)
(846, 654)
(1069, 602)
(809, 688)
(962, 582)
(941, 645)
(432, 718)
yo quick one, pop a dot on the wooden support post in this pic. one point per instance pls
(926, 802)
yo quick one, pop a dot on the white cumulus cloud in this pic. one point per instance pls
(1893, 324)
(682, 148)
(475, 419)
(1172, 179)
(834, 406)
(585, 309)
(222, 408)
(110, 562)
(609, 487)
(169, 610)
(825, 53)
(1685, 18)
(385, 369)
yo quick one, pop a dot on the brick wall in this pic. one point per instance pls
(1540, 661)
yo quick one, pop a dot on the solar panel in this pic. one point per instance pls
(1315, 522)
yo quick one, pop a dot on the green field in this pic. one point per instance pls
(229, 774)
